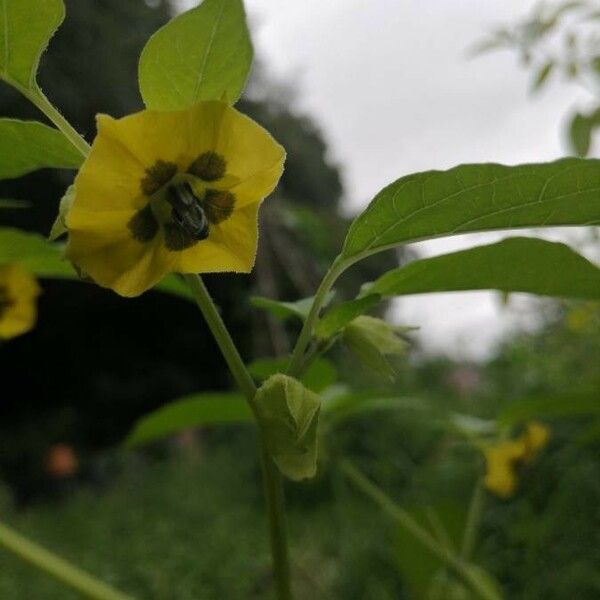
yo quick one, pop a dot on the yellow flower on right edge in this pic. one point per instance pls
(18, 301)
(503, 458)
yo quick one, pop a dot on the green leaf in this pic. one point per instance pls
(373, 340)
(580, 134)
(28, 145)
(513, 265)
(9, 203)
(285, 310)
(45, 259)
(202, 54)
(288, 414)
(560, 405)
(26, 27)
(191, 411)
(479, 197)
(339, 316)
(320, 375)
(542, 75)
(355, 404)
(35, 253)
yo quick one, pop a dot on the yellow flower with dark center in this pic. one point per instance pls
(503, 458)
(168, 192)
(18, 294)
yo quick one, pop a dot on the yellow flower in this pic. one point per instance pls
(18, 293)
(536, 437)
(503, 458)
(168, 192)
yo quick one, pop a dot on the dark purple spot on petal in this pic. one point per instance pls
(143, 225)
(209, 166)
(159, 174)
(218, 205)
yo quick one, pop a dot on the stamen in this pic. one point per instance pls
(143, 225)
(159, 174)
(209, 166)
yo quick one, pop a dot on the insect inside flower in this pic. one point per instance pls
(171, 192)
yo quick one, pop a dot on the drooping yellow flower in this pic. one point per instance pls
(18, 307)
(503, 458)
(168, 192)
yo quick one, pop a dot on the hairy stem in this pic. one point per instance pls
(37, 97)
(57, 567)
(473, 520)
(272, 481)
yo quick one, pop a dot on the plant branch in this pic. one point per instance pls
(297, 361)
(37, 97)
(272, 480)
(405, 520)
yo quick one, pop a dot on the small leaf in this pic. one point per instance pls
(320, 375)
(288, 414)
(542, 76)
(59, 227)
(373, 340)
(26, 27)
(516, 264)
(28, 145)
(285, 310)
(339, 316)
(202, 54)
(191, 411)
(480, 197)
(580, 134)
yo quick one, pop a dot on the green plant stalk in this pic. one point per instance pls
(37, 97)
(272, 480)
(473, 520)
(297, 362)
(57, 567)
(405, 520)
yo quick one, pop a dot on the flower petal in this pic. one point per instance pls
(230, 247)
(102, 246)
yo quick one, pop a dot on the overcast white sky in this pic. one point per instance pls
(391, 86)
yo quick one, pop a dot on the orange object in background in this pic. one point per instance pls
(61, 461)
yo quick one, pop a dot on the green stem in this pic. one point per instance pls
(296, 363)
(57, 567)
(405, 520)
(272, 481)
(37, 97)
(473, 520)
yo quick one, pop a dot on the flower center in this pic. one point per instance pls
(182, 204)
(5, 301)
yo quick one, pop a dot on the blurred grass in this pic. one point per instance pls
(187, 528)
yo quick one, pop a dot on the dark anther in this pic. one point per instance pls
(209, 166)
(159, 174)
(143, 225)
(189, 218)
(218, 205)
